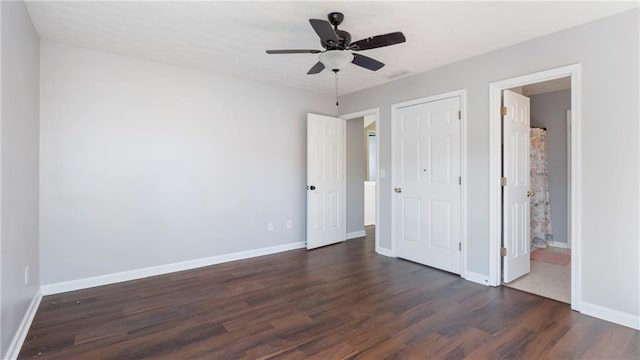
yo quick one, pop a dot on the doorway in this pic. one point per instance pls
(548, 272)
(362, 169)
(503, 251)
(328, 181)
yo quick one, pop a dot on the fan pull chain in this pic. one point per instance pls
(337, 103)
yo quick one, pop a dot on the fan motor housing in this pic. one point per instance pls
(344, 38)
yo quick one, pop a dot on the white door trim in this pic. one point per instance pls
(355, 115)
(495, 221)
(568, 239)
(462, 93)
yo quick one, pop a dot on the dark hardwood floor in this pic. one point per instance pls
(337, 302)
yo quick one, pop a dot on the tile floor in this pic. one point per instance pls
(548, 280)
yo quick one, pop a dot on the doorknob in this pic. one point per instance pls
(398, 190)
(530, 193)
(311, 187)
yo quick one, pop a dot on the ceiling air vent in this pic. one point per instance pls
(398, 74)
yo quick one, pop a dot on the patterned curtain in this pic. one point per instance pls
(541, 232)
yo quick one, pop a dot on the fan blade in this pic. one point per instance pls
(318, 67)
(301, 51)
(367, 62)
(378, 41)
(325, 31)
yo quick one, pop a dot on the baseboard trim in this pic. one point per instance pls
(476, 278)
(356, 234)
(614, 316)
(559, 245)
(23, 329)
(107, 279)
(384, 252)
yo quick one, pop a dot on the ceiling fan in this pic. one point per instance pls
(339, 50)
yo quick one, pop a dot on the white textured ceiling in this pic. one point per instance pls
(231, 37)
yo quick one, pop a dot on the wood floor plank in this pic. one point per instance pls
(337, 302)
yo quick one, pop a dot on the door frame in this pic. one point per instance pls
(568, 115)
(462, 93)
(495, 134)
(356, 115)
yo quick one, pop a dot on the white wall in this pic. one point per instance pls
(144, 164)
(550, 111)
(608, 51)
(19, 106)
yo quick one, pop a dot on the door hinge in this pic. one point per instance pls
(503, 181)
(503, 111)
(459, 246)
(459, 114)
(459, 180)
(503, 251)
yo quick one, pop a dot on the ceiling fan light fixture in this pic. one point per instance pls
(339, 49)
(335, 59)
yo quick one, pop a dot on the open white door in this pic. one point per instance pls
(427, 198)
(515, 194)
(325, 180)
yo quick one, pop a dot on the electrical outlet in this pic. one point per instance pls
(289, 224)
(26, 275)
(270, 226)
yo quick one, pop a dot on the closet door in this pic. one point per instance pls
(427, 193)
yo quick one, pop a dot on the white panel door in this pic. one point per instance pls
(325, 180)
(427, 191)
(516, 168)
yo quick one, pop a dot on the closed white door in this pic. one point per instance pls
(427, 191)
(515, 194)
(325, 180)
